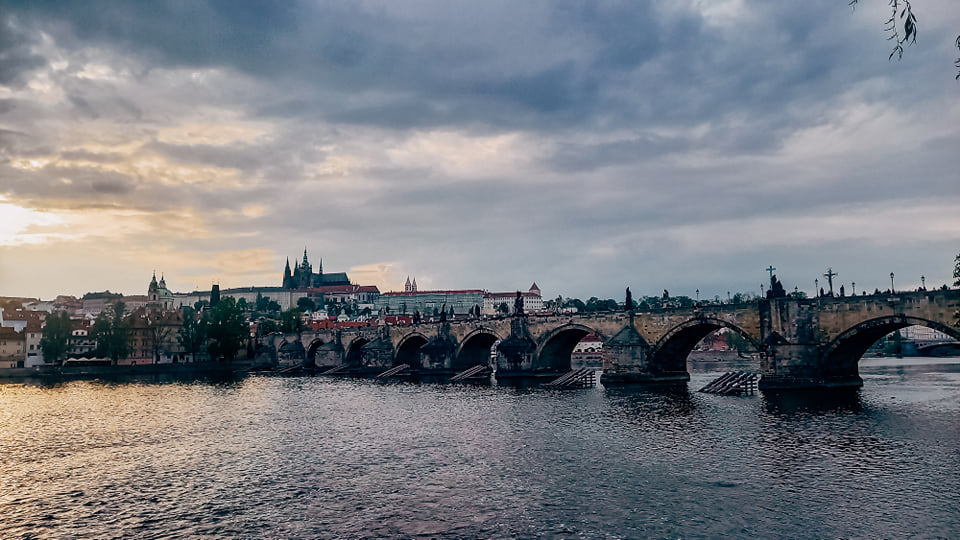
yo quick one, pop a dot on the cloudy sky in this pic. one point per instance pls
(586, 146)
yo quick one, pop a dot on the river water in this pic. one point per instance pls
(262, 457)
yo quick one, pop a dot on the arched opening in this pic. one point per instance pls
(588, 352)
(556, 353)
(354, 356)
(475, 351)
(671, 353)
(312, 351)
(291, 353)
(842, 355)
(409, 351)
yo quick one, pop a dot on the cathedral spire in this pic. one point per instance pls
(287, 276)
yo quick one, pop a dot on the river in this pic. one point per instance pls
(270, 457)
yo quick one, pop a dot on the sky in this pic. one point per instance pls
(586, 146)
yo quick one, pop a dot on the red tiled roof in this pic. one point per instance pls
(8, 332)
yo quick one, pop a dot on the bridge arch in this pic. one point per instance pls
(353, 356)
(474, 349)
(556, 347)
(671, 351)
(841, 356)
(312, 350)
(408, 350)
(291, 351)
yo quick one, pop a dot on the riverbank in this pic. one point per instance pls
(80, 372)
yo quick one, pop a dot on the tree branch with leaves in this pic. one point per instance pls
(902, 26)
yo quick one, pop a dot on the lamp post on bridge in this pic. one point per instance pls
(853, 284)
(816, 287)
(892, 291)
(698, 295)
(923, 282)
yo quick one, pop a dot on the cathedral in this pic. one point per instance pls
(303, 277)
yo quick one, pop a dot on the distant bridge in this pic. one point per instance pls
(803, 343)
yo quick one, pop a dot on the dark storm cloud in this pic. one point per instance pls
(366, 129)
(557, 66)
(16, 58)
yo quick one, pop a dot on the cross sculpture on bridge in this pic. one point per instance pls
(830, 275)
(771, 269)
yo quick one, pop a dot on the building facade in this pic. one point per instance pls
(12, 348)
(429, 303)
(532, 301)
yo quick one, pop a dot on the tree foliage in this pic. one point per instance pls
(306, 304)
(193, 332)
(112, 332)
(56, 336)
(159, 334)
(227, 329)
(902, 26)
(956, 271)
(291, 321)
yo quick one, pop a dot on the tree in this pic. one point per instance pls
(193, 332)
(736, 342)
(306, 304)
(956, 271)
(56, 335)
(267, 326)
(112, 332)
(243, 304)
(902, 26)
(159, 333)
(503, 308)
(227, 329)
(575, 303)
(290, 321)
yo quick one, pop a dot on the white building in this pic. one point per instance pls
(532, 301)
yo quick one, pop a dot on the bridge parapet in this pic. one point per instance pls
(808, 342)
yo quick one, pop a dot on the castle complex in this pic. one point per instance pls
(303, 277)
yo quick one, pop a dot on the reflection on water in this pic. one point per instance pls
(320, 457)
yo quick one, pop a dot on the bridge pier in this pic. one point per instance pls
(626, 360)
(789, 366)
(792, 353)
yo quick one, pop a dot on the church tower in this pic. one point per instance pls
(153, 290)
(287, 276)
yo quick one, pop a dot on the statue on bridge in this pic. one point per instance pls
(628, 305)
(776, 289)
(518, 305)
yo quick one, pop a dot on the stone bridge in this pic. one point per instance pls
(802, 343)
